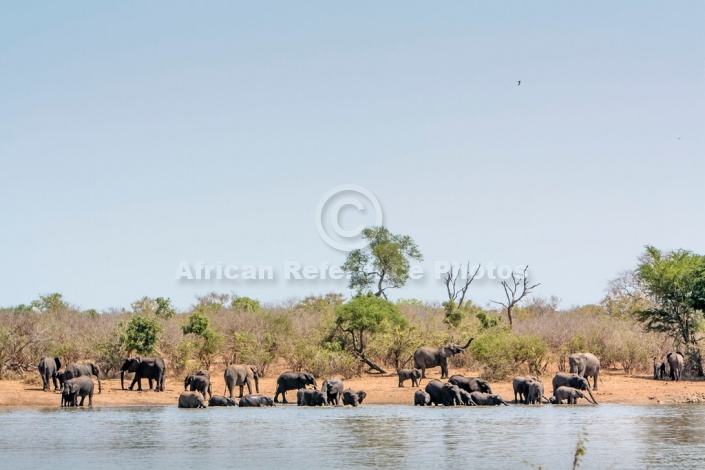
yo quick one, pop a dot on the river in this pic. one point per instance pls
(617, 436)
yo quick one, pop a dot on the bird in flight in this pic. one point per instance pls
(518, 82)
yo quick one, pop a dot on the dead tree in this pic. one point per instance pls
(451, 282)
(515, 290)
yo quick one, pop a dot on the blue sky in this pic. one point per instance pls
(138, 135)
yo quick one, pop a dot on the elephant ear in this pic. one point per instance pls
(445, 350)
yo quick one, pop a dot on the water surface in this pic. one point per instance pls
(618, 436)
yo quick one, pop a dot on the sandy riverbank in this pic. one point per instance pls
(614, 387)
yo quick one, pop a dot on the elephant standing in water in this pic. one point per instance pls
(333, 389)
(675, 362)
(151, 368)
(422, 398)
(256, 401)
(192, 400)
(48, 369)
(306, 397)
(219, 400)
(79, 370)
(470, 384)
(293, 381)
(353, 398)
(585, 365)
(427, 357)
(239, 376)
(445, 394)
(487, 399)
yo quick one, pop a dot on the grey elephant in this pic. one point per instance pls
(585, 365)
(353, 398)
(659, 369)
(151, 368)
(521, 388)
(675, 362)
(293, 381)
(199, 383)
(48, 369)
(192, 400)
(333, 389)
(256, 401)
(445, 394)
(572, 380)
(80, 369)
(421, 398)
(427, 357)
(471, 384)
(306, 397)
(219, 400)
(535, 393)
(467, 398)
(569, 394)
(239, 375)
(406, 374)
(487, 399)
(77, 387)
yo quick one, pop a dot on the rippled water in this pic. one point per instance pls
(619, 436)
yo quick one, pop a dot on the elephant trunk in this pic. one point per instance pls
(122, 379)
(256, 382)
(594, 402)
(467, 345)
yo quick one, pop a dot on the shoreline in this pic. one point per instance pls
(613, 387)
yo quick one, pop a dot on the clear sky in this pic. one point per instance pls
(137, 135)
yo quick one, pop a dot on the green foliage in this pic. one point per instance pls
(144, 306)
(672, 281)
(368, 313)
(198, 324)
(487, 321)
(503, 353)
(141, 335)
(164, 308)
(245, 304)
(50, 303)
(453, 315)
(384, 263)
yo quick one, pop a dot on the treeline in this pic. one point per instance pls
(324, 335)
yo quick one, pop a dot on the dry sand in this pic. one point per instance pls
(614, 387)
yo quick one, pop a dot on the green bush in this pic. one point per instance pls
(503, 353)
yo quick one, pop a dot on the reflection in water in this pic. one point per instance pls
(619, 436)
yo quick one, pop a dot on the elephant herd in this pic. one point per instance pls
(75, 380)
(675, 363)
(197, 389)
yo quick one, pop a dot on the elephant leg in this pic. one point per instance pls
(242, 390)
(594, 382)
(423, 372)
(249, 385)
(284, 397)
(151, 383)
(444, 368)
(82, 399)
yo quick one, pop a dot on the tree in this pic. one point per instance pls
(517, 290)
(50, 303)
(674, 283)
(453, 307)
(141, 335)
(245, 304)
(164, 308)
(363, 316)
(625, 296)
(384, 263)
(199, 326)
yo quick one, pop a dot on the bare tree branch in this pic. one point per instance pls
(513, 293)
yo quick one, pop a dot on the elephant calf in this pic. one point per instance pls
(467, 398)
(200, 383)
(77, 387)
(192, 400)
(569, 394)
(406, 374)
(487, 399)
(422, 398)
(353, 398)
(219, 400)
(256, 401)
(524, 391)
(306, 397)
